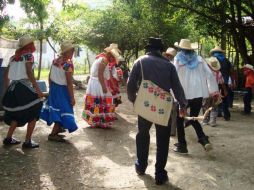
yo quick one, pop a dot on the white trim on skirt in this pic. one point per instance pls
(21, 108)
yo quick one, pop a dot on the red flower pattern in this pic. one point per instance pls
(163, 96)
(153, 108)
(150, 89)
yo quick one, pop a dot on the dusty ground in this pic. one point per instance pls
(103, 159)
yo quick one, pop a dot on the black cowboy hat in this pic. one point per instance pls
(155, 43)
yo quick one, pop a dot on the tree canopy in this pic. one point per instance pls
(130, 23)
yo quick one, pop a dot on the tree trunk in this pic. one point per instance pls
(40, 58)
(240, 40)
(250, 37)
(88, 61)
(238, 30)
(223, 39)
(64, 4)
(52, 47)
(229, 47)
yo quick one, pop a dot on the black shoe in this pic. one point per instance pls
(30, 144)
(56, 138)
(227, 118)
(245, 113)
(220, 115)
(179, 148)
(205, 143)
(11, 141)
(161, 180)
(138, 169)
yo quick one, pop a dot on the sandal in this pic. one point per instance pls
(56, 138)
(61, 130)
(62, 136)
(11, 141)
(30, 144)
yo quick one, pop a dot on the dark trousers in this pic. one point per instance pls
(247, 100)
(224, 106)
(195, 107)
(230, 97)
(143, 142)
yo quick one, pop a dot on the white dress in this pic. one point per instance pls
(94, 87)
(99, 108)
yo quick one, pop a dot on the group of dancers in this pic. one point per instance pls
(191, 79)
(24, 103)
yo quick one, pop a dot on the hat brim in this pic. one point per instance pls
(248, 68)
(67, 49)
(149, 46)
(215, 68)
(217, 50)
(23, 45)
(185, 48)
(115, 52)
(108, 49)
(172, 52)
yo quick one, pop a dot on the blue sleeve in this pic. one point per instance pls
(29, 58)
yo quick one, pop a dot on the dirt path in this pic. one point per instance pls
(103, 159)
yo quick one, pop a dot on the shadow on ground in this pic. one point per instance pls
(99, 159)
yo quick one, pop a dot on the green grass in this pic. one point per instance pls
(79, 70)
(44, 73)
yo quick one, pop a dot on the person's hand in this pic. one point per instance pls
(216, 97)
(234, 86)
(104, 89)
(225, 92)
(6, 85)
(40, 94)
(73, 102)
(182, 112)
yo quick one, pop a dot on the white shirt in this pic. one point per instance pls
(198, 82)
(95, 69)
(57, 75)
(17, 70)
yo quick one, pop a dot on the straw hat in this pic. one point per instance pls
(24, 40)
(171, 51)
(248, 66)
(113, 49)
(214, 63)
(66, 46)
(217, 49)
(185, 44)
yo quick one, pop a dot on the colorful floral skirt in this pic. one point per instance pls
(99, 108)
(115, 90)
(58, 109)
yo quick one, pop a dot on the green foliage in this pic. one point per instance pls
(71, 24)
(35, 9)
(128, 24)
(3, 17)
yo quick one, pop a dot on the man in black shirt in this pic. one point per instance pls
(157, 69)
